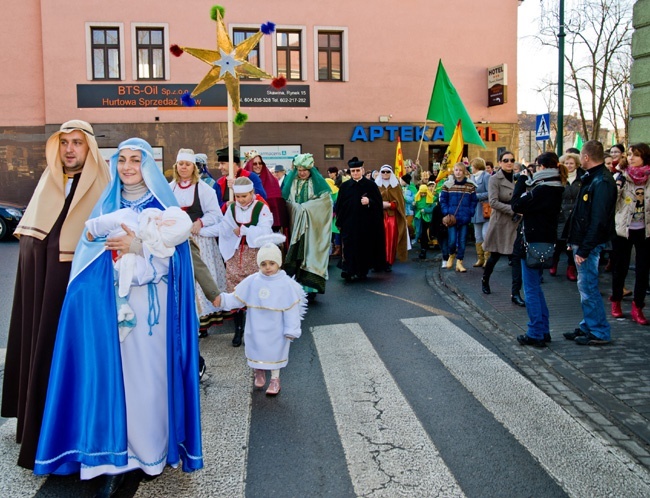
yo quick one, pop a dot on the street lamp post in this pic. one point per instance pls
(560, 84)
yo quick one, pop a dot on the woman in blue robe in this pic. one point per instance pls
(113, 406)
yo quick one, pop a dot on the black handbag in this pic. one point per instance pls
(539, 255)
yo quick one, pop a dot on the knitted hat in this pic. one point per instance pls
(269, 252)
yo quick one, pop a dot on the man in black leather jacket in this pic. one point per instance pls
(591, 229)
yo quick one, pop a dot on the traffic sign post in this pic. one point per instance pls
(543, 127)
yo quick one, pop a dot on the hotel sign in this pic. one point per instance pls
(166, 95)
(497, 85)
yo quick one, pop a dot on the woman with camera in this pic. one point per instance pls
(539, 201)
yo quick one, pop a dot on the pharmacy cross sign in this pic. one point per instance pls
(542, 127)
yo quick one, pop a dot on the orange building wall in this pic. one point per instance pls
(394, 49)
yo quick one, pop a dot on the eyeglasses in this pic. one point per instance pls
(385, 172)
(257, 163)
(507, 160)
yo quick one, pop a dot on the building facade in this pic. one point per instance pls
(640, 74)
(357, 78)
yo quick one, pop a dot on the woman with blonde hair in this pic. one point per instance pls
(571, 190)
(200, 202)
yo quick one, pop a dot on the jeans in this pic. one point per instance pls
(535, 302)
(457, 238)
(593, 311)
(480, 231)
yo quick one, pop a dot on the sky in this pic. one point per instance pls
(533, 61)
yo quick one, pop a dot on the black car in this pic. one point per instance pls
(10, 215)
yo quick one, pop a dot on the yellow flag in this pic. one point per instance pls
(453, 155)
(399, 159)
(455, 147)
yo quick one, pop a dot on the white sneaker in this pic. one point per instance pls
(444, 264)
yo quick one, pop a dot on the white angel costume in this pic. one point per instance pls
(276, 305)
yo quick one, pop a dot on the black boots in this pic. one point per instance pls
(240, 321)
(110, 485)
(516, 299)
(485, 284)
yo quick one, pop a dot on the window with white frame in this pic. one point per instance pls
(105, 45)
(105, 51)
(330, 53)
(239, 34)
(289, 56)
(150, 56)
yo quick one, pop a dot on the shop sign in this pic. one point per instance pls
(167, 95)
(497, 85)
(412, 133)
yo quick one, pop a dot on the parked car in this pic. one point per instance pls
(10, 215)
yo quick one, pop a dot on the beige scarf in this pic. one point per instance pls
(49, 197)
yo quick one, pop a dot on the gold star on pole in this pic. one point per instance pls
(228, 62)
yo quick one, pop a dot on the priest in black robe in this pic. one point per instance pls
(360, 218)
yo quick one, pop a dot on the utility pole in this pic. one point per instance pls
(560, 84)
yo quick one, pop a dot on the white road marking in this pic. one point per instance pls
(388, 452)
(576, 457)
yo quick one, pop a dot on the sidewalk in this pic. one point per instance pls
(608, 386)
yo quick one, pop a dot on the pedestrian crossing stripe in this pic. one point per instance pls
(386, 448)
(563, 446)
(388, 451)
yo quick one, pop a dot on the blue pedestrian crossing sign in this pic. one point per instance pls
(543, 127)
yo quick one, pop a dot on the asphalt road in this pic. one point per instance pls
(389, 392)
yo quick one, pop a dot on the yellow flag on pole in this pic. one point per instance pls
(455, 147)
(454, 153)
(399, 159)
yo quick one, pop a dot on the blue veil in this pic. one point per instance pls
(84, 421)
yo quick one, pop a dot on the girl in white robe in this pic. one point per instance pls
(276, 305)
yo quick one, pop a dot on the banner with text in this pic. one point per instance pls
(169, 95)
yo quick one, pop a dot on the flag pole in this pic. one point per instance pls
(231, 166)
(417, 158)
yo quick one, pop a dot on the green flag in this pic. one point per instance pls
(447, 108)
(577, 143)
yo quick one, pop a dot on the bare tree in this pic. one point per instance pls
(598, 36)
(617, 111)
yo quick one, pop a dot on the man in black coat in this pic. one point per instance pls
(591, 229)
(359, 217)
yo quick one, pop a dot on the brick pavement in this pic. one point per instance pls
(607, 387)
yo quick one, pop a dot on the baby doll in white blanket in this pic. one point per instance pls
(160, 233)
